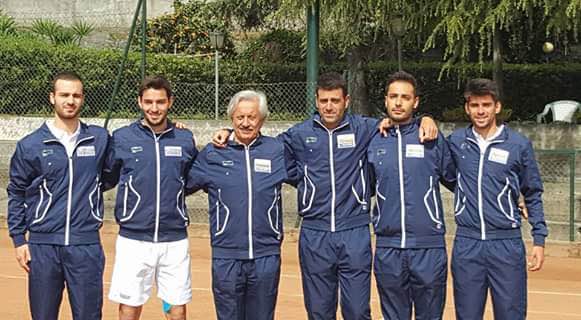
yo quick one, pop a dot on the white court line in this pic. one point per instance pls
(555, 293)
(576, 315)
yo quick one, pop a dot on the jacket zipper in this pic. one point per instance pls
(70, 192)
(480, 197)
(249, 179)
(157, 181)
(401, 187)
(332, 171)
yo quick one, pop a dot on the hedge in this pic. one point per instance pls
(26, 66)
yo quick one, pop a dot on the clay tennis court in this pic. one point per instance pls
(554, 293)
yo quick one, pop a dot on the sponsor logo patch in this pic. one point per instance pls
(498, 155)
(227, 163)
(381, 152)
(86, 151)
(414, 151)
(262, 165)
(346, 141)
(173, 151)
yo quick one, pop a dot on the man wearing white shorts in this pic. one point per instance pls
(149, 160)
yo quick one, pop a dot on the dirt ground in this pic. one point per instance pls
(554, 292)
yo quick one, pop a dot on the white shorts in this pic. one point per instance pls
(139, 263)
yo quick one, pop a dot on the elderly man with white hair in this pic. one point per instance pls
(244, 183)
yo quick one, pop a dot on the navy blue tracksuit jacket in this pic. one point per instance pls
(151, 170)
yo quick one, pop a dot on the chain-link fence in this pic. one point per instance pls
(25, 92)
(559, 171)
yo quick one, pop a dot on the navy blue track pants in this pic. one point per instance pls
(78, 267)
(498, 265)
(411, 278)
(245, 289)
(330, 260)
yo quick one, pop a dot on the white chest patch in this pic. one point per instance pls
(86, 151)
(414, 151)
(346, 141)
(262, 165)
(173, 151)
(498, 155)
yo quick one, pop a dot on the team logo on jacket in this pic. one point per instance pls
(136, 149)
(86, 151)
(414, 151)
(262, 165)
(498, 155)
(227, 163)
(47, 152)
(346, 141)
(311, 140)
(381, 152)
(173, 151)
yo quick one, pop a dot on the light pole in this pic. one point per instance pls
(217, 42)
(398, 29)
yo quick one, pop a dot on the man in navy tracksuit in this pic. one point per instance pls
(494, 166)
(243, 182)
(55, 196)
(149, 160)
(410, 261)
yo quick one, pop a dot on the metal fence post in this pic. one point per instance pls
(122, 64)
(572, 158)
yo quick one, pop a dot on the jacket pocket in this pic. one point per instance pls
(275, 208)
(431, 204)
(221, 207)
(460, 198)
(95, 201)
(181, 202)
(131, 199)
(505, 196)
(44, 202)
(309, 190)
(379, 200)
(358, 188)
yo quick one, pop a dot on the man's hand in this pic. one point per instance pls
(524, 212)
(23, 257)
(220, 137)
(537, 258)
(180, 125)
(384, 126)
(428, 129)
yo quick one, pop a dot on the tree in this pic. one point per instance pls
(468, 25)
(359, 28)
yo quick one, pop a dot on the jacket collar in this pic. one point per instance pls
(317, 122)
(47, 135)
(469, 133)
(410, 127)
(139, 125)
(233, 143)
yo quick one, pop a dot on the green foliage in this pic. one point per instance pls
(26, 67)
(278, 46)
(186, 30)
(7, 24)
(60, 35)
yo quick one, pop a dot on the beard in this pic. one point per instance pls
(65, 115)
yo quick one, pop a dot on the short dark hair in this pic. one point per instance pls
(155, 82)
(481, 87)
(402, 76)
(332, 81)
(64, 75)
